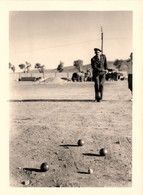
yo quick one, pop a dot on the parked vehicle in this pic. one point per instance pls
(82, 76)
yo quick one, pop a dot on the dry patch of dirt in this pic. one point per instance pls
(48, 131)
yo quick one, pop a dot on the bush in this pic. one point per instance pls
(78, 64)
(118, 63)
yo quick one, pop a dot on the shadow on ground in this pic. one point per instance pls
(33, 169)
(82, 172)
(64, 100)
(91, 154)
(51, 100)
(70, 145)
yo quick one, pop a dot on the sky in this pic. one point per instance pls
(48, 37)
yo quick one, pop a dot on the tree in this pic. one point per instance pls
(27, 68)
(60, 67)
(22, 66)
(118, 63)
(40, 67)
(37, 65)
(12, 67)
(78, 64)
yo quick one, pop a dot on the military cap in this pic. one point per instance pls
(96, 49)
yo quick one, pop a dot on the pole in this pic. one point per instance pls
(101, 39)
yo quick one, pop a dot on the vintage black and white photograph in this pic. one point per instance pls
(71, 95)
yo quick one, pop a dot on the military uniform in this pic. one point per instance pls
(98, 67)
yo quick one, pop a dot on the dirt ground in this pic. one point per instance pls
(47, 120)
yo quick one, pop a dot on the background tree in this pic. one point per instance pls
(78, 64)
(27, 67)
(60, 67)
(22, 67)
(40, 67)
(37, 65)
(118, 63)
(12, 67)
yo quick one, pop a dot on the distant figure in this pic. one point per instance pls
(130, 77)
(88, 72)
(99, 68)
(88, 76)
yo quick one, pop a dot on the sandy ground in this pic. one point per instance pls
(47, 120)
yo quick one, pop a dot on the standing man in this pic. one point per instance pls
(99, 68)
(130, 77)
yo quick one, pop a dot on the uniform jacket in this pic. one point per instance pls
(98, 65)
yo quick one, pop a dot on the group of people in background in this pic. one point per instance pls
(100, 68)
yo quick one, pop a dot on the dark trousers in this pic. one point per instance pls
(130, 78)
(98, 85)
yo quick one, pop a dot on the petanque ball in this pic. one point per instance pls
(103, 151)
(44, 166)
(80, 142)
(90, 171)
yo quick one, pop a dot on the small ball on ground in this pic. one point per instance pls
(80, 142)
(44, 166)
(27, 182)
(103, 152)
(90, 171)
